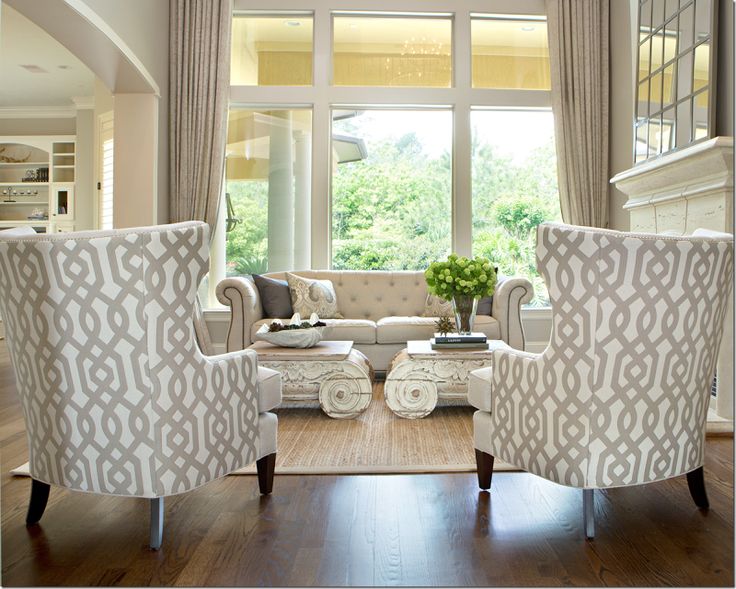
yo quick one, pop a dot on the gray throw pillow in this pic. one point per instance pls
(485, 305)
(275, 297)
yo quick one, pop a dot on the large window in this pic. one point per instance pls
(392, 205)
(387, 138)
(514, 188)
(268, 184)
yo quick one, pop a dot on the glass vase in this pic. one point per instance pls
(464, 307)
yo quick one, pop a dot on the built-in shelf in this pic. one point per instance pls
(24, 184)
(25, 202)
(52, 158)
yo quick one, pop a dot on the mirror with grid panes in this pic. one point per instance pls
(675, 80)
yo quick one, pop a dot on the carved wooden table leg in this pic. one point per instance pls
(345, 398)
(343, 387)
(414, 384)
(411, 399)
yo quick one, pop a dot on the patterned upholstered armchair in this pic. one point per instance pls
(116, 395)
(620, 395)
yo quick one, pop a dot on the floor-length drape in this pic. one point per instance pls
(199, 81)
(578, 49)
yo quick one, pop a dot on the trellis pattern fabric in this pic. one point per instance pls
(620, 395)
(116, 395)
(312, 296)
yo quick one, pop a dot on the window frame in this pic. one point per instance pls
(322, 97)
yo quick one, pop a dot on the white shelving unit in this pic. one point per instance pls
(37, 176)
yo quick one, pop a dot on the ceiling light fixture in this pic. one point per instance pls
(528, 29)
(292, 23)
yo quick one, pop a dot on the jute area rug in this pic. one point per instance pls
(376, 442)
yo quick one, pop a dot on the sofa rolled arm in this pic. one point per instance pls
(508, 297)
(242, 297)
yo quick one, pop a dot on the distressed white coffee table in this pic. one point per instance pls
(419, 376)
(331, 372)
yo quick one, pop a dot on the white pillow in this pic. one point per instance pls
(312, 296)
(434, 306)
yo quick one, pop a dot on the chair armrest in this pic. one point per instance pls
(207, 419)
(537, 422)
(241, 296)
(510, 294)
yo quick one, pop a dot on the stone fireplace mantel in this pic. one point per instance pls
(678, 193)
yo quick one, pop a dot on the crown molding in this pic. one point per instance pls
(37, 112)
(84, 102)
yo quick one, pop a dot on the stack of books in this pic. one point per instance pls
(454, 341)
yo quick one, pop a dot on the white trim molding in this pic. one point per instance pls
(38, 112)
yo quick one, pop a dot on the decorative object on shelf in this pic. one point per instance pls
(296, 334)
(38, 215)
(7, 159)
(463, 281)
(30, 176)
(444, 325)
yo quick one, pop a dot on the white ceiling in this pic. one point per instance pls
(22, 43)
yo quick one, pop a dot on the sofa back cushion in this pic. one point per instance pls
(372, 294)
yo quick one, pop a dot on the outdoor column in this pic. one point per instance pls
(280, 194)
(303, 204)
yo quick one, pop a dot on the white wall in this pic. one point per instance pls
(623, 22)
(144, 26)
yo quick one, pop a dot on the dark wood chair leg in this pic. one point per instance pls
(37, 505)
(696, 484)
(266, 467)
(485, 468)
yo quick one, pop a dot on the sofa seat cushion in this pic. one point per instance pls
(479, 388)
(360, 331)
(269, 389)
(396, 330)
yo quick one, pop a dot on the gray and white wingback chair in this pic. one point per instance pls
(620, 395)
(116, 395)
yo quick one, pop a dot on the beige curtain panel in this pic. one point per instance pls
(199, 80)
(578, 49)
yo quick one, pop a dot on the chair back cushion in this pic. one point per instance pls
(637, 322)
(112, 383)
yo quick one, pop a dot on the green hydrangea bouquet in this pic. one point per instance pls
(462, 281)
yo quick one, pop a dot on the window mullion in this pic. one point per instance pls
(321, 144)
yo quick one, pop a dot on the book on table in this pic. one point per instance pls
(458, 346)
(457, 338)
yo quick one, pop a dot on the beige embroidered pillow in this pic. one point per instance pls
(312, 296)
(436, 307)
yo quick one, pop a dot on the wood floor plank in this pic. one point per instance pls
(398, 530)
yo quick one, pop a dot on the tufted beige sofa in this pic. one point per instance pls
(382, 310)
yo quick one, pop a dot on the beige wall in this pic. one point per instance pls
(65, 126)
(85, 192)
(144, 26)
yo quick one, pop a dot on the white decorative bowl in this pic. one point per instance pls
(294, 338)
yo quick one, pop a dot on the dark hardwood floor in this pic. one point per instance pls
(369, 530)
